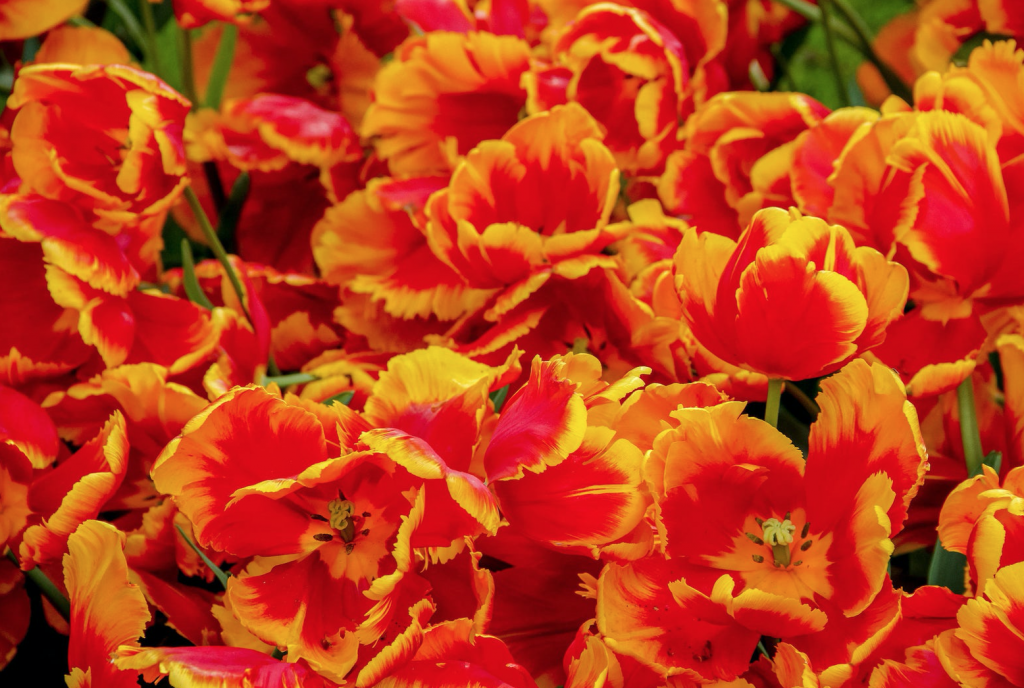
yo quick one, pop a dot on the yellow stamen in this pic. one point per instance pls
(778, 532)
(341, 511)
(779, 535)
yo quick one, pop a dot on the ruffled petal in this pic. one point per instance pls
(106, 610)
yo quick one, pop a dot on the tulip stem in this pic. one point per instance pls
(970, 435)
(813, 14)
(46, 587)
(833, 54)
(145, 42)
(771, 407)
(809, 404)
(218, 248)
(146, 10)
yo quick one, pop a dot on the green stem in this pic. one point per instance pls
(134, 29)
(146, 9)
(771, 407)
(813, 14)
(970, 435)
(80, 21)
(833, 54)
(221, 66)
(857, 34)
(189, 281)
(46, 587)
(866, 47)
(217, 571)
(805, 9)
(809, 404)
(218, 248)
(188, 79)
(758, 78)
(947, 568)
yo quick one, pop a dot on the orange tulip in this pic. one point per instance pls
(986, 649)
(529, 207)
(107, 138)
(794, 299)
(730, 142)
(442, 95)
(734, 495)
(621, 58)
(39, 340)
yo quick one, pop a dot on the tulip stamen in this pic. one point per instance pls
(779, 536)
(341, 518)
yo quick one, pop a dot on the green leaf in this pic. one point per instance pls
(291, 379)
(961, 56)
(45, 586)
(6, 81)
(498, 398)
(947, 569)
(232, 211)
(217, 571)
(994, 459)
(191, 283)
(221, 66)
(170, 256)
(809, 68)
(167, 47)
(344, 398)
(29, 48)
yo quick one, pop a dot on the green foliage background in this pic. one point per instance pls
(808, 67)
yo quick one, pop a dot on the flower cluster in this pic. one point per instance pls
(510, 344)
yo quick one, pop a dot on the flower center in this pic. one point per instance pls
(778, 534)
(340, 511)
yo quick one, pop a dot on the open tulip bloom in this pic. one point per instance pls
(512, 343)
